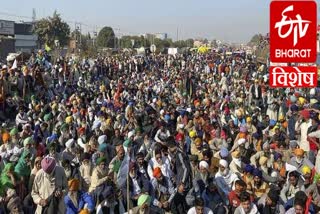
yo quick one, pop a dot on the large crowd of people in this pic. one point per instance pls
(186, 133)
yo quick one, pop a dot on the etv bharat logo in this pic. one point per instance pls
(299, 30)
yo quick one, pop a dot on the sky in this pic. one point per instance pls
(227, 20)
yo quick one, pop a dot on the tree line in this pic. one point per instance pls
(53, 29)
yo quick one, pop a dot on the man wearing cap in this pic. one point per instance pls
(85, 170)
(50, 185)
(78, 201)
(100, 174)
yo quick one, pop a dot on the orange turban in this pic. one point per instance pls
(5, 137)
(73, 184)
(299, 152)
(157, 172)
(242, 135)
(84, 211)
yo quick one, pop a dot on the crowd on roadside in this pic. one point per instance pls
(190, 133)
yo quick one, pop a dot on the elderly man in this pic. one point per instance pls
(300, 160)
(50, 184)
(201, 179)
(225, 178)
(99, 175)
(115, 163)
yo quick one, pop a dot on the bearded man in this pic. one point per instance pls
(225, 178)
(201, 179)
(50, 184)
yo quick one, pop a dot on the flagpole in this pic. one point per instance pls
(128, 194)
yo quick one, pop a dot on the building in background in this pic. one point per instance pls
(162, 36)
(7, 42)
(26, 41)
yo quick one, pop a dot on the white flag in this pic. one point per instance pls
(14, 66)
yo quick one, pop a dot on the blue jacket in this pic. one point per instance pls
(83, 198)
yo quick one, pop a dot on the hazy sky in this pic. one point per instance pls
(228, 20)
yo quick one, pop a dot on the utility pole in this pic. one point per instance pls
(177, 33)
(34, 16)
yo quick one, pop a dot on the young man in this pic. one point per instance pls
(199, 208)
(246, 206)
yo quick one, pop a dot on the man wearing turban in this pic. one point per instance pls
(163, 190)
(50, 185)
(299, 160)
(225, 178)
(78, 201)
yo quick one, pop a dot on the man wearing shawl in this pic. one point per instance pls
(23, 167)
(9, 179)
(49, 187)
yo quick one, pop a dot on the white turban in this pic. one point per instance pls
(130, 134)
(69, 143)
(180, 126)
(204, 164)
(223, 163)
(102, 139)
(241, 141)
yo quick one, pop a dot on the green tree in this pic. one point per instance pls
(255, 39)
(52, 28)
(106, 38)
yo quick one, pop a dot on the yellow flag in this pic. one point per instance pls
(47, 48)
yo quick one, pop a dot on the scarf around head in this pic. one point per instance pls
(22, 168)
(5, 180)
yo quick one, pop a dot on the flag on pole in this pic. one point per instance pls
(47, 48)
(14, 66)
(123, 171)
